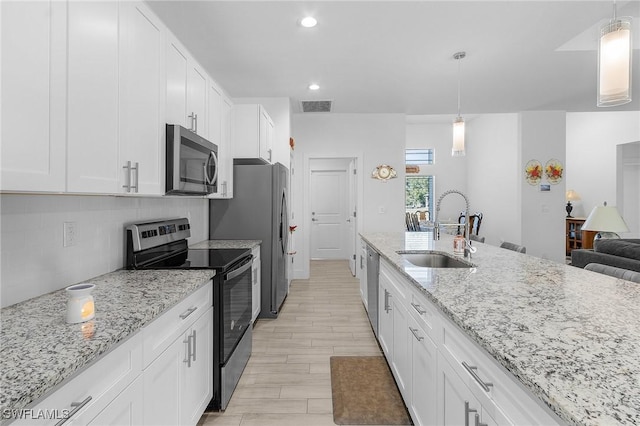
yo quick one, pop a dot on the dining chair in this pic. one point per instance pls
(514, 247)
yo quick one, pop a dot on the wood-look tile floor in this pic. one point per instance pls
(287, 380)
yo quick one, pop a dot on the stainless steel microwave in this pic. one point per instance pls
(192, 163)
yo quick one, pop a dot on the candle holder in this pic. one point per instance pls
(80, 306)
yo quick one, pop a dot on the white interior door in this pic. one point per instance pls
(328, 214)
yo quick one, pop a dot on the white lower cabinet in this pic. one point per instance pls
(84, 398)
(385, 318)
(256, 284)
(443, 377)
(363, 275)
(162, 375)
(178, 385)
(423, 378)
(125, 410)
(178, 375)
(196, 378)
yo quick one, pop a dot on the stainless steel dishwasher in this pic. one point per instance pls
(373, 268)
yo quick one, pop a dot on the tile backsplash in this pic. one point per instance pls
(33, 260)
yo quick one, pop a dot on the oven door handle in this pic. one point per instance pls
(238, 271)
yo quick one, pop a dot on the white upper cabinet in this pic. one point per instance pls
(33, 96)
(254, 130)
(92, 97)
(186, 89)
(115, 134)
(87, 88)
(197, 99)
(176, 83)
(219, 126)
(142, 130)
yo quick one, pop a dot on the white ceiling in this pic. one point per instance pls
(397, 56)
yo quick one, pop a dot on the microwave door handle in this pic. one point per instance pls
(208, 180)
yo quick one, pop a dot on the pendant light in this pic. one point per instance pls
(458, 124)
(614, 62)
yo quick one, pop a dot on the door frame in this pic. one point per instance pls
(306, 203)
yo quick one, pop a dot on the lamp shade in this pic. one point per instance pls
(614, 63)
(605, 219)
(572, 195)
(458, 137)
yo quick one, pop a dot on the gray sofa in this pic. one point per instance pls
(621, 253)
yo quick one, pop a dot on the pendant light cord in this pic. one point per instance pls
(459, 86)
(458, 56)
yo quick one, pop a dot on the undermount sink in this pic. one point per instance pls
(429, 259)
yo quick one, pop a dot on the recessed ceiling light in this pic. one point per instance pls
(313, 86)
(308, 22)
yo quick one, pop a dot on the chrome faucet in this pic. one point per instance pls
(436, 224)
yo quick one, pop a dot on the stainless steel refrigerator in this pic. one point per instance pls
(258, 211)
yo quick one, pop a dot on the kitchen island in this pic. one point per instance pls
(39, 350)
(571, 337)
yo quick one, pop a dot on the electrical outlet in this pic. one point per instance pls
(69, 235)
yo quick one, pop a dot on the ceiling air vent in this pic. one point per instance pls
(316, 106)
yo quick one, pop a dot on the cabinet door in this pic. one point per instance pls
(196, 381)
(176, 83)
(401, 359)
(385, 320)
(161, 387)
(125, 409)
(142, 98)
(456, 404)
(266, 135)
(33, 79)
(197, 98)
(423, 376)
(92, 97)
(363, 276)
(217, 134)
(226, 157)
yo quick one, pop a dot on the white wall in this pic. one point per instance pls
(373, 138)
(450, 172)
(279, 109)
(493, 171)
(33, 259)
(628, 186)
(542, 136)
(591, 154)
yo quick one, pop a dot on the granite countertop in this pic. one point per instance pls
(39, 350)
(571, 336)
(226, 244)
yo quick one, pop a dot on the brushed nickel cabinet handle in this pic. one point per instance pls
(415, 334)
(468, 410)
(188, 312)
(77, 406)
(418, 309)
(472, 370)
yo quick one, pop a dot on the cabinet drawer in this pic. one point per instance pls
(424, 312)
(92, 385)
(159, 334)
(498, 393)
(395, 281)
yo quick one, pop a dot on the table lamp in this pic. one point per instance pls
(606, 221)
(571, 196)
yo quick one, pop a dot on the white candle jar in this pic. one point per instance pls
(80, 305)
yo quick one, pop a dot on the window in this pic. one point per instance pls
(419, 195)
(419, 156)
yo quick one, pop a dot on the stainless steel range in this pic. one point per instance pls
(163, 245)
